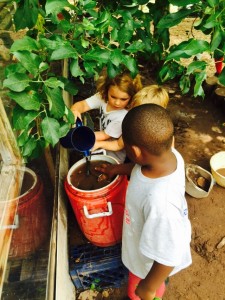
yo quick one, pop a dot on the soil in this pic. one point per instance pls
(199, 134)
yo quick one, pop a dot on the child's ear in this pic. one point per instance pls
(136, 150)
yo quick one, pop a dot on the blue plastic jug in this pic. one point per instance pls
(80, 138)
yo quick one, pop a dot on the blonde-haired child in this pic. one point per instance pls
(113, 97)
(149, 94)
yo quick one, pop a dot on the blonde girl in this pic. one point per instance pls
(113, 97)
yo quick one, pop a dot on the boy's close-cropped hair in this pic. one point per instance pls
(149, 126)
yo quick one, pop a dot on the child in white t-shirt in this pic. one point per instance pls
(156, 229)
(113, 97)
(149, 94)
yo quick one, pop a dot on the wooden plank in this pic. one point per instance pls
(10, 183)
(65, 289)
(8, 147)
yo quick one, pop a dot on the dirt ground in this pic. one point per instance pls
(200, 134)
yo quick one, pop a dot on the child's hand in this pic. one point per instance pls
(108, 170)
(76, 113)
(96, 146)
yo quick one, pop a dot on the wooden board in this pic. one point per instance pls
(10, 183)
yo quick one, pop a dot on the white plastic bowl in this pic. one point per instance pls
(191, 187)
(217, 162)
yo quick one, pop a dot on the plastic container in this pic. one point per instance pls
(100, 266)
(80, 138)
(193, 174)
(32, 217)
(217, 162)
(99, 212)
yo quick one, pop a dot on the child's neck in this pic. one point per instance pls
(163, 165)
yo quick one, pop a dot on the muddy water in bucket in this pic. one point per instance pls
(99, 211)
(85, 177)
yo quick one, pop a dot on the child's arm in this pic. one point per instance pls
(101, 136)
(80, 107)
(113, 170)
(115, 145)
(147, 287)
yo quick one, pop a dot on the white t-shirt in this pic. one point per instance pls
(110, 122)
(156, 225)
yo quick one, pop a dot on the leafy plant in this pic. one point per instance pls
(92, 34)
(209, 17)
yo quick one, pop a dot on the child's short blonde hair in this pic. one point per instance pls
(151, 94)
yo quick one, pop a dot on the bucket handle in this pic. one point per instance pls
(101, 214)
(13, 226)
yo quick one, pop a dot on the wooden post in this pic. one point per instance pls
(10, 183)
(64, 286)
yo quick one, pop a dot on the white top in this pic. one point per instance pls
(156, 225)
(110, 122)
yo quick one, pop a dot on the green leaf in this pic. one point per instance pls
(75, 68)
(100, 55)
(26, 43)
(56, 103)
(38, 150)
(66, 51)
(125, 34)
(112, 71)
(188, 48)
(29, 146)
(90, 68)
(69, 86)
(30, 61)
(55, 6)
(135, 47)
(53, 82)
(28, 100)
(23, 17)
(14, 68)
(216, 39)
(173, 19)
(213, 3)
(84, 43)
(131, 65)
(69, 115)
(185, 84)
(196, 66)
(221, 77)
(22, 118)
(43, 67)
(88, 4)
(211, 21)
(199, 78)
(64, 129)
(23, 137)
(17, 82)
(50, 44)
(116, 57)
(50, 130)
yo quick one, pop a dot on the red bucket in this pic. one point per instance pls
(32, 215)
(99, 212)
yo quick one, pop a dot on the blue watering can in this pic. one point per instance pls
(80, 138)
